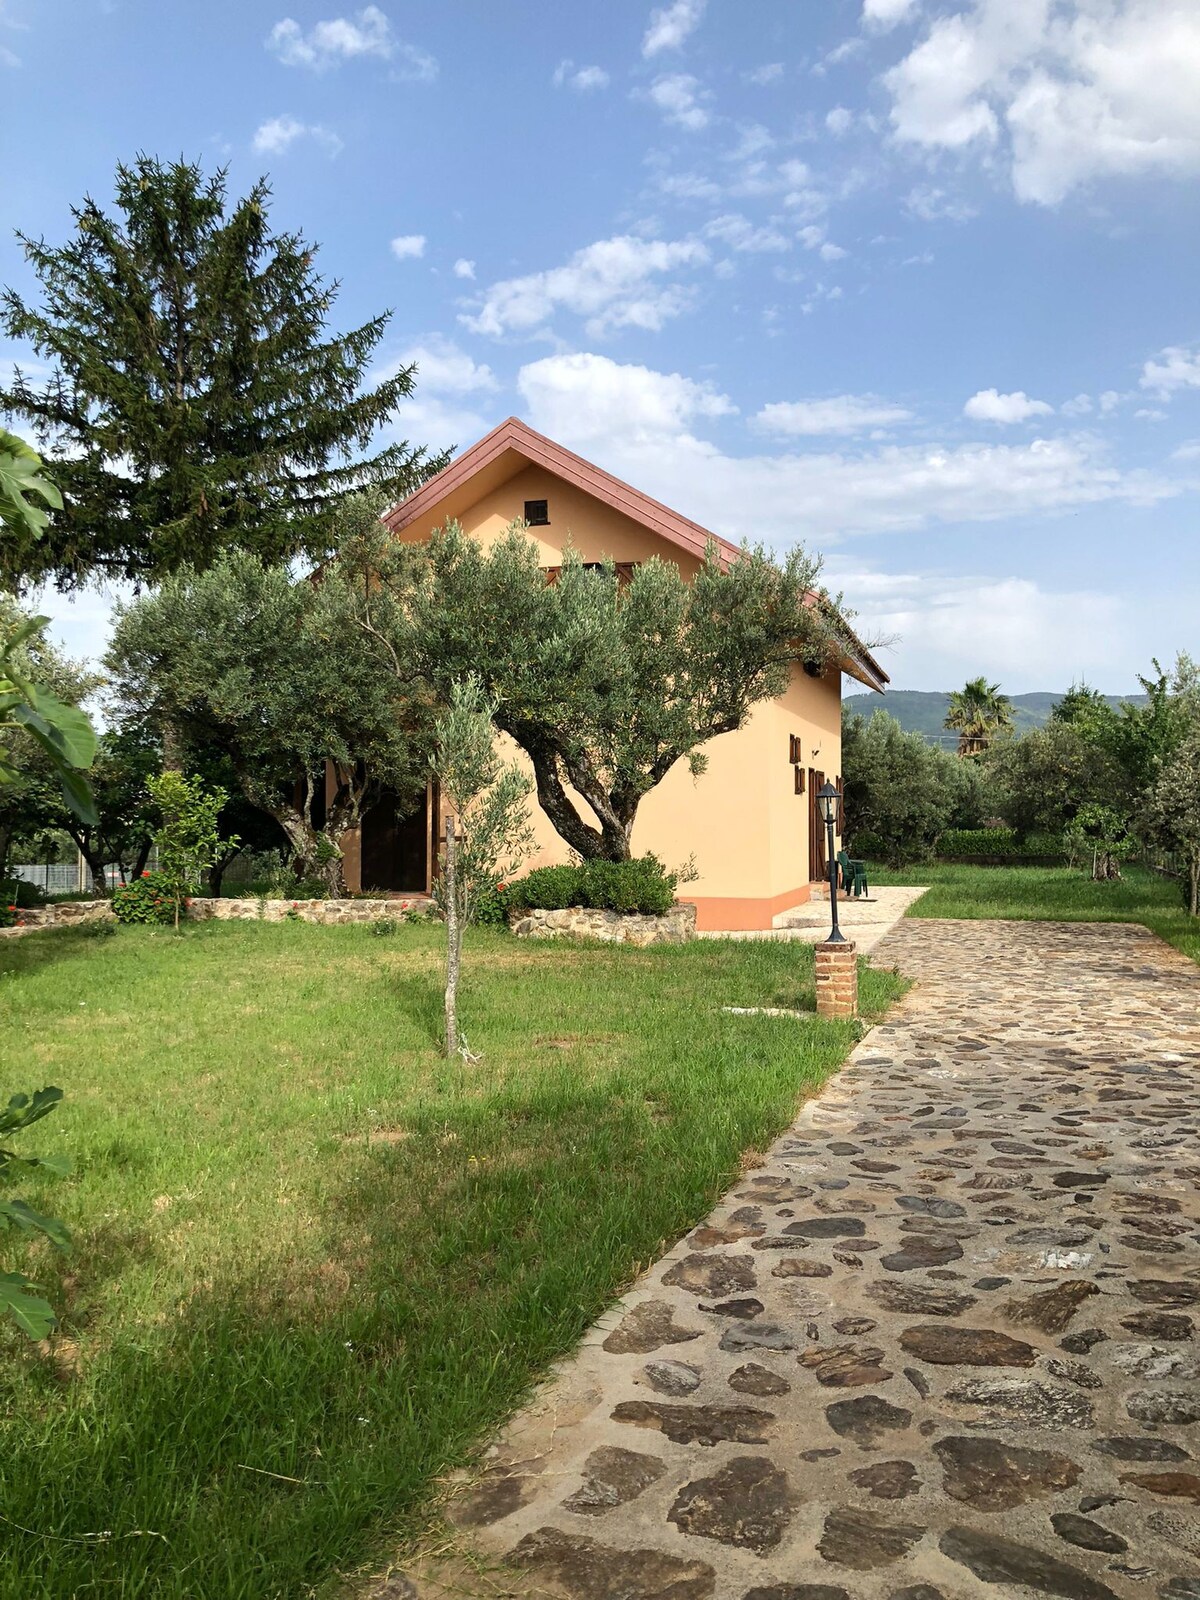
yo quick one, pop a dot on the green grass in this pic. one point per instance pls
(308, 1246)
(1050, 894)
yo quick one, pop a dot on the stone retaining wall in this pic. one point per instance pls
(322, 911)
(72, 912)
(613, 927)
(67, 915)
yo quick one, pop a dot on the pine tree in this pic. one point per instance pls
(197, 401)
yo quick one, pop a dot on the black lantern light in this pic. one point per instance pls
(828, 800)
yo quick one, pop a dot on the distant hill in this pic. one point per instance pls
(924, 710)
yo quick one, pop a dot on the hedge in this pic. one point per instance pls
(642, 885)
(957, 844)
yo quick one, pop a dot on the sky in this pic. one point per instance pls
(912, 282)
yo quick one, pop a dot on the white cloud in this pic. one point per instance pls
(444, 367)
(991, 406)
(843, 413)
(884, 14)
(769, 72)
(464, 269)
(329, 43)
(613, 283)
(450, 388)
(1067, 93)
(813, 238)
(276, 136)
(1109, 401)
(581, 78)
(1174, 368)
(1080, 406)
(602, 398)
(951, 627)
(740, 234)
(671, 26)
(409, 246)
(639, 424)
(932, 204)
(1189, 450)
(839, 121)
(9, 57)
(679, 97)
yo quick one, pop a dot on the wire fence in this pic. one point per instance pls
(64, 877)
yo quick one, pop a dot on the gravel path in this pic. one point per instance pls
(942, 1344)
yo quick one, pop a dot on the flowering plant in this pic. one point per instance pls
(147, 899)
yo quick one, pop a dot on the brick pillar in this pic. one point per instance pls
(837, 980)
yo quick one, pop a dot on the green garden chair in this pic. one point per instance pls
(854, 875)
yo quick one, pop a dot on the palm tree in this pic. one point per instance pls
(977, 713)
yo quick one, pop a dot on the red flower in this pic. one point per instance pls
(145, 874)
(500, 888)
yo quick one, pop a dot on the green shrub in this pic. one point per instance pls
(288, 888)
(642, 885)
(383, 927)
(491, 907)
(956, 843)
(21, 893)
(98, 928)
(8, 913)
(147, 899)
(978, 842)
(544, 889)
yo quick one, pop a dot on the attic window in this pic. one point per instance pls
(537, 513)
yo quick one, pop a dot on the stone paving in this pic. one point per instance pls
(941, 1344)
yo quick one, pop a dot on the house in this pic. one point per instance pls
(750, 822)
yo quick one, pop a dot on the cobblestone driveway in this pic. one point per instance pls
(942, 1344)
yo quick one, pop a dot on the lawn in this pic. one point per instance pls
(1050, 894)
(315, 1264)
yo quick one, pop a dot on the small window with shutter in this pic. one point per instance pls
(537, 513)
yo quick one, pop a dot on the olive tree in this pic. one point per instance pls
(605, 682)
(487, 824)
(1173, 812)
(899, 792)
(274, 672)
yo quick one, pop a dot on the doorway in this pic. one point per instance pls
(818, 866)
(396, 839)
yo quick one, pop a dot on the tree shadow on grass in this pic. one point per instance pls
(48, 946)
(454, 1267)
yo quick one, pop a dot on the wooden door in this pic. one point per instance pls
(818, 867)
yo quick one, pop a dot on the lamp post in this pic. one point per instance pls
(827, 802)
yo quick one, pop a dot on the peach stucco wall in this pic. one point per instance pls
(741, 822)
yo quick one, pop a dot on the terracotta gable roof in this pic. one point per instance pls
(517, 436)
(513, 434)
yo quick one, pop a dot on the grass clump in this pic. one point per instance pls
(307, 1245)
(1050, 894)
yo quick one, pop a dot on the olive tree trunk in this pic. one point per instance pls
(453, 937)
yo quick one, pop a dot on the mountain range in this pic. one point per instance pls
(924, 710)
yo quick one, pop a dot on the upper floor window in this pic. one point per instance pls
(537, 513)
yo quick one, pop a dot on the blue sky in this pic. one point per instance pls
(911, 281)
